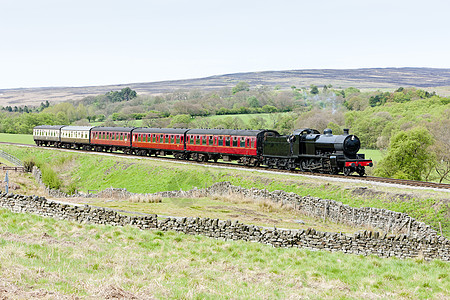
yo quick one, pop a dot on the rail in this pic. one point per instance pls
(365, 178)
(11, 159)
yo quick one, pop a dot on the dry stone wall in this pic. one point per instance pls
(372, 218)
(364, 243)
(79, 213)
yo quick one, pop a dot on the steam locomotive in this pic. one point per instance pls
(305, 149)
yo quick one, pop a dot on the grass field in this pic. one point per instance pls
(373, 154)
(98, 172)
(17, 138)
(64, 259)
(245, 210)
(268, 117)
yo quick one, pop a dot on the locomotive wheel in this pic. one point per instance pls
(254, 162)
(303, 165)
(311, 163)
(347, 171)
(361, 171)
(334, 171)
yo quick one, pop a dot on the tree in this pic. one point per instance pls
(125, 94)
(408, 155)
(257, 123)
(269, 109)
(240, 86)
(180, 121)
(253, 102)
(441, 146)
(314, 89)
(128, 94)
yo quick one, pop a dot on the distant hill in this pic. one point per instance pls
(374, 78)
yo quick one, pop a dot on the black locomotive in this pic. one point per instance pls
(309, 150)
(305, 149)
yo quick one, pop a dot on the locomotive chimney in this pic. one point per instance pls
(346, 130)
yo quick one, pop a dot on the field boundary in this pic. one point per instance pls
(363, 243)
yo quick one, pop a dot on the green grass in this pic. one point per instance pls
(135, 123)
(373, 154)
(69, 259)
(268, 117)
(17, 138)
(245, 210)
(95, 172)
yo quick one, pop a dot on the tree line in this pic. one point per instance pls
(376, 117)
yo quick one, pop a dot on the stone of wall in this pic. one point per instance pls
(371, 218)
(79, 213)
(364, 243)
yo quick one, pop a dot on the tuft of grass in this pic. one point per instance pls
(145, 199)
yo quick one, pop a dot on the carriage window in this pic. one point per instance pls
(220, 140)
(172, 139)
(242, 142)
(197, 141)
(181, 139)
(191, 139)
(178, 139)
(121, 136)
(211, 141)
(235, 142)
(204, 140)
(227, 142)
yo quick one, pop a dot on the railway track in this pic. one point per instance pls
(413, 183)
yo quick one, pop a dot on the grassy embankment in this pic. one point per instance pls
(59, 258)
(17, 138)
(94, 172)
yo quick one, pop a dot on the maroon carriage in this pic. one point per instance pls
(242, 145)
(111, 139)
(159, 141)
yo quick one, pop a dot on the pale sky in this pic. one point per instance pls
(97, 42)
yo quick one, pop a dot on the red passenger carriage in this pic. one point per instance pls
(159, 141)
(228, 144)
(111, 139)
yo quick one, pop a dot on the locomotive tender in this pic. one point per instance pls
(305, 149)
